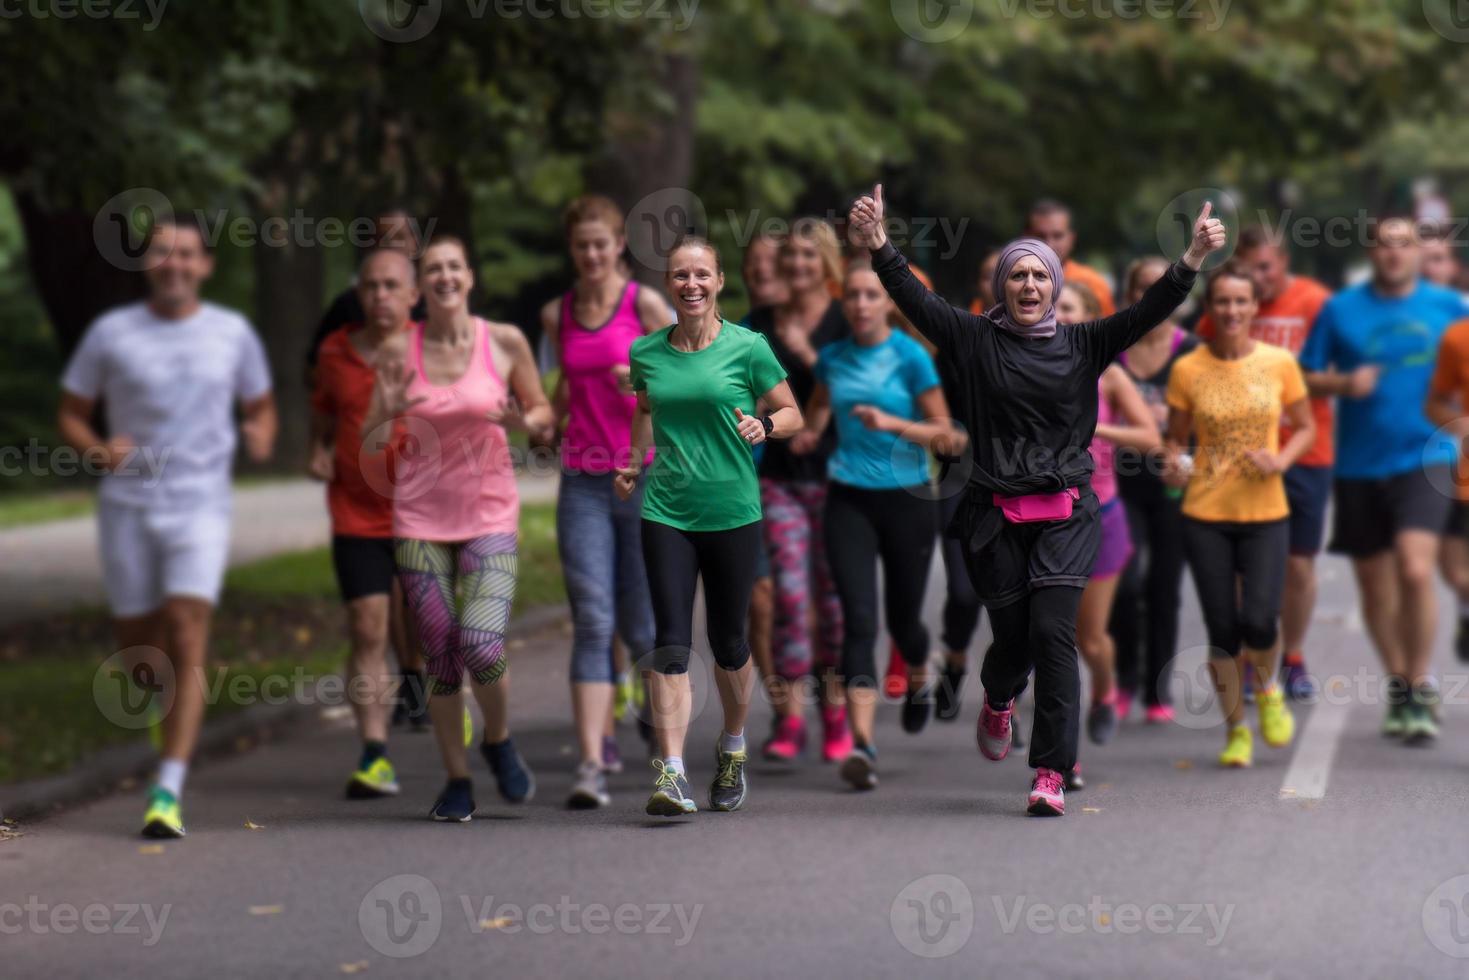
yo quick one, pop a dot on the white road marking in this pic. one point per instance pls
(1315, 750)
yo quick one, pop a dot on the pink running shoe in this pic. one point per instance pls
(1047, 794)
(1159, 714)
(895, 681)
(836, 737)
(1122, 701)
(993, 733)
(787, 741)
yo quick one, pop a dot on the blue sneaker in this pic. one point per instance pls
(512, 776)
(1299, 685)
(456, 803)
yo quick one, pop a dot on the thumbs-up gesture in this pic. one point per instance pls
(751, 428)
(1209, 236)
(864, 221)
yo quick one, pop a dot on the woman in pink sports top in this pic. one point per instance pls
(1123, 419)
(591, 329)
(453, 386)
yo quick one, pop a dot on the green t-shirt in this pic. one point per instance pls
(703, 472)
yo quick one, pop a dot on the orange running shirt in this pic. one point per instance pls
(1451, 377)
(1286, 321)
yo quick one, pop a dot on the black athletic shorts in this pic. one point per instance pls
(1370, 513)
(364, 566)
(1457, 526)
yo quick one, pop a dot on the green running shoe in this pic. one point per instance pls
(1419, 728)
(468, 727)
(671, 796)
(164, 820)
(1395, 722)
(622, 696)
(728, 790)
(377, 780)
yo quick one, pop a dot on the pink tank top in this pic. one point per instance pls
(599, 415)
(1104, 477)
(455, 478)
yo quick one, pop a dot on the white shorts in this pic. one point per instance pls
(149, 554)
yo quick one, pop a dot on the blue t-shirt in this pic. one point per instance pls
(1386, 433)
(889, 377)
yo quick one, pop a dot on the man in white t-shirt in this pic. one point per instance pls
(169, 371)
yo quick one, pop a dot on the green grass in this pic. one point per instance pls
(40, 507)
(280, 617)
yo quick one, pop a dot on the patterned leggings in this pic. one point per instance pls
(482, 571)
(794, 538)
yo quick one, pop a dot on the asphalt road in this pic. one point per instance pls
(1343, 856)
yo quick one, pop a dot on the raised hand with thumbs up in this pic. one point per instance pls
(1209, 236)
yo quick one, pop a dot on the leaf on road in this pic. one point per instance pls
(267, 909)
(151, 849)
(251, 825)
(499, 923)
(357, 967)
(1183, 764)
(1091, 809)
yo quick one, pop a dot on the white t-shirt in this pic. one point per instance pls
(170, 386)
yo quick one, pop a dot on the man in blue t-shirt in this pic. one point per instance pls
(1373, 347)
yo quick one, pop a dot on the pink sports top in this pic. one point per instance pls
(1104, 477)
(599, 415)
(455, 478)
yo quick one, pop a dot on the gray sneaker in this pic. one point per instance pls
(727, 792)
(590, 789)
(671, 793)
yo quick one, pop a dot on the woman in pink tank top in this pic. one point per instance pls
(453, 385)
(1123, 419)
(590, 329)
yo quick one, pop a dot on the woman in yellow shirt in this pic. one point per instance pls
(1230, 395)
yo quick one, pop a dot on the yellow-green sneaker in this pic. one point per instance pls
(1239, 751)
(378, 779)
(622, 696)
(1277, 724)
(164, 819)
(468, 727)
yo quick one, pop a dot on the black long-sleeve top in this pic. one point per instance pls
(1028, 404)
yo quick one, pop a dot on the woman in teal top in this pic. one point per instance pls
(698, 382)
(881, 388)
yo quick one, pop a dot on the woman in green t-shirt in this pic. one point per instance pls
(698, 382)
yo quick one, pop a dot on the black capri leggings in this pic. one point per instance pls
(675, 559)
(961, 606)
(900, 527)
(1239, 570)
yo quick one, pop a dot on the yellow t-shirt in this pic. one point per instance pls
(1236, 407)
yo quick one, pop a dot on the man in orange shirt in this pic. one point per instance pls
(1050, 221)
(359, 496)
(1448, 408)
(1288, 308)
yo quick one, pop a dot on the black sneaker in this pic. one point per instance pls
(860, 768)
(946, 696)
(671, 795)
(1074, 781)
(512, 777)
(728, 790)
(917, 706)
(456, 803)
(1101, 722)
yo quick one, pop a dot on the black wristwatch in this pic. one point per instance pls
(769, 425)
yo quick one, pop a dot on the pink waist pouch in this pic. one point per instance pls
(1034, 507)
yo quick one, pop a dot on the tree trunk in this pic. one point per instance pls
(75, 282)
(288, 303)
